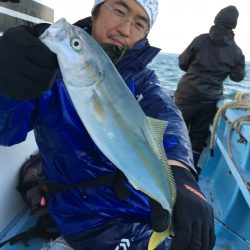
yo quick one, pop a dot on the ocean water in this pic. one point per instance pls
(168, 72)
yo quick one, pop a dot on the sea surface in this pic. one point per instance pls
(169, 74)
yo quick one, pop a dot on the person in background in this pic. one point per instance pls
(33, 97)
(208, 61)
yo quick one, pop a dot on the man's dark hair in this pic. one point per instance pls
(96, 10)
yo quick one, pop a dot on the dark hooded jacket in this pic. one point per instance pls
(70, 156)
(209, 60)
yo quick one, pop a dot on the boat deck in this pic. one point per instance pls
(22, 222)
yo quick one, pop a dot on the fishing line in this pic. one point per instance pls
(233, 232)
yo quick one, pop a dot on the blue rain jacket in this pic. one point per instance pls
(70, 156)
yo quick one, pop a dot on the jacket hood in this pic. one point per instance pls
(221, 36)
(227, 17)
(138, 57)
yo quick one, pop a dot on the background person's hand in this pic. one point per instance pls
(27, 66)
(193, 217)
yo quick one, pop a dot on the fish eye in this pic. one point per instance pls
(76, 44)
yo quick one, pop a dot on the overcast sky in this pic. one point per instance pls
(179, 21)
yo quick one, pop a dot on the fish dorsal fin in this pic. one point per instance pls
(158, 128)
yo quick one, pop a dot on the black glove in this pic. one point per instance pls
(27, 66)
(160, 218)
(193, 217)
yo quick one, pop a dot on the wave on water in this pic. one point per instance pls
(169, 74)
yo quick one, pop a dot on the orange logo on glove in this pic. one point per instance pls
(195, 192)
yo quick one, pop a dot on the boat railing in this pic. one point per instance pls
(225, 178)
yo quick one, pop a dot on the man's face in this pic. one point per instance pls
(120, 22)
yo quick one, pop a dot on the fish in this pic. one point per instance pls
(112, 116)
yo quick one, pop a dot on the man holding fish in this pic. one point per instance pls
(90, 131)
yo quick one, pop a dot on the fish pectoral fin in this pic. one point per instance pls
(157, 238)
(97, 107)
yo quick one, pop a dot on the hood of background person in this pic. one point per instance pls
(221, 36)
(227, 17)
(150, 6)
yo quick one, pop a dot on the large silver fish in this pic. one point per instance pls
(111, 115)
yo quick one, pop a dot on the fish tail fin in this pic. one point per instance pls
(157, 238)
